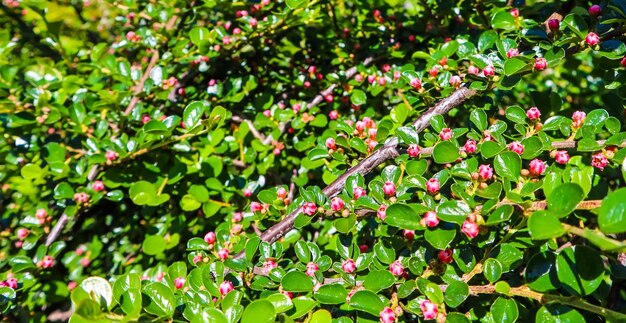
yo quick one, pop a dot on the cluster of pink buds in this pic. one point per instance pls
(309, 208)
(46, 262)
(387, 315)
(358, 192)
(42, 216)
(429, 310)
(10, 282)
(131, 36)
(599, 160)
(258, 207)
(281, 194)
(81, 197)
(311, 268)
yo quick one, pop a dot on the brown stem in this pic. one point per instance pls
(139, 87)
(387, 151)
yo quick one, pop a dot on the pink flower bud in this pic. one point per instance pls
(71, 285)
(470, 146)
(386, 68)
(433, 71)
(145, 119)
(269, 265)
(540, 63)
(382, 212)
(397, 75)
(359, 192)
(578, 119)
(413, 150)
(599, 161)
(311, 268)
(333, 115)
(336, 204)
(512, 52)
(159, 276)
(179, 282)
(514, 12)
(429, 310)
(41, 214)
(485, 172)
(330, 143)
(445, 256)
(111, 155)
(416, 83)
(237, 217)
(309, 208)
(329, 98)
(226, 40)
(372, 133)
(348, 266)
(81, 197)
(281, 193)
(222, 254)
(236, 31)
(210, 237)
(226, 287)
(358, 78)
(409, 234)
(592, 39)
(595, 10)
(296, 107)
(455, 81)
(561, 157)
(371, 79)
(396, 268)
(360, 126)
(46, 262)
(85, 262)
(445, 134)
(432, 186)
(389, 188)
(247, 192)
(98, 186)
(516, 147)
(22, 233)
(430, 219)
(253, 22)
(10, 282)
(537, 167)
(554, 24)
(473, 70)
(489, 70)
(197, 258)
(470, 229)
(256, 207)
(369, 123)
(533, 113)
(387, 315)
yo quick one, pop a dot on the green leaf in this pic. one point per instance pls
(21, 263)
(501, 214)
(580, 270)
(557, 313)
(384, 252)
(508, 165)
(492, 269)
(489, 149)
(153, 245)
(331, 294)
(545, 225)
(321, 316)
(479, 117)
(32, 171)
(456, 293)
(433, 292)
(358, 97)
(259, 311)
(130, 301)
(515, 65)
(564, 199)
(612, 215)
(403, 216)
(156, 127)
(193, 113)
(296, 281)
(504, 310)
(453, 211)
(407, 135)
(503, 20)
(540, 274)
(445, 152)
(297, 4)
(281, 302)
(302, 305)
(366, 301)
(486, 40)
(575, 23)
(516, 114)
(162, 301)
(198, 34)
(440, 238)
(99, 290)
(377, 280)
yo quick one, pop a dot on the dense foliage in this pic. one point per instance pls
(313, 160)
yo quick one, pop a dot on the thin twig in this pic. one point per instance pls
(139, 87)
